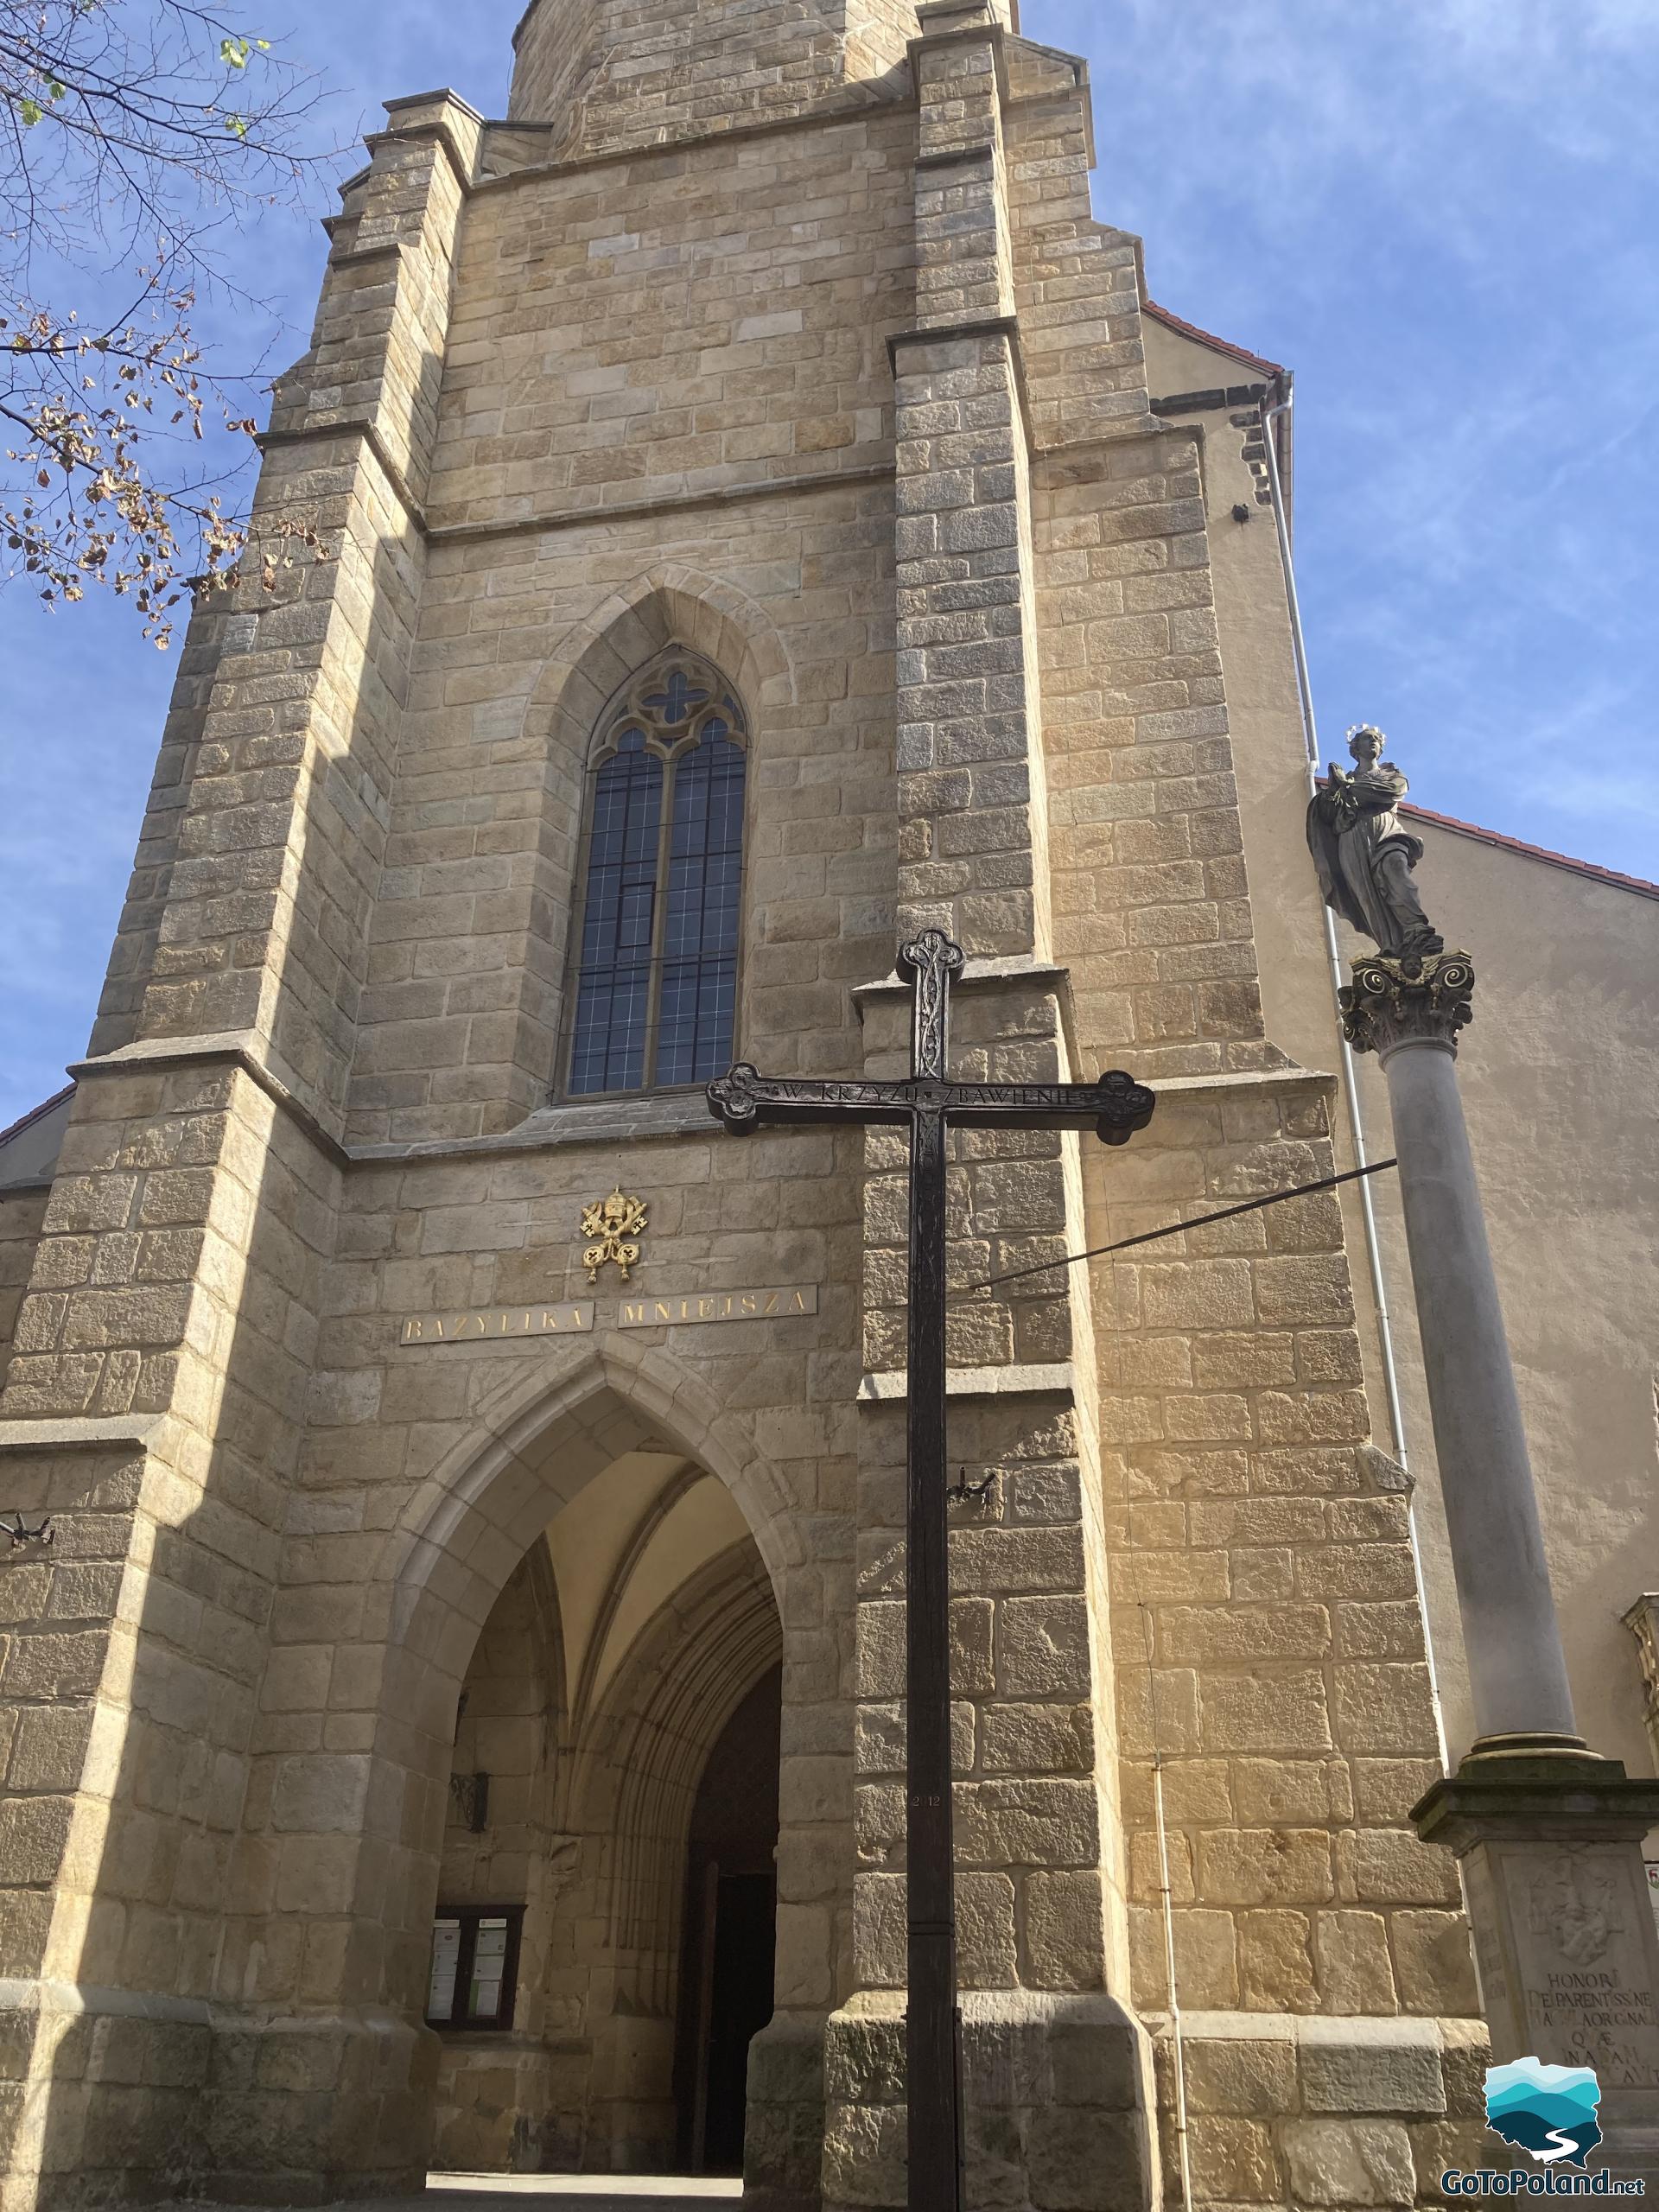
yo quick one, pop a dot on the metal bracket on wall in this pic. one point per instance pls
(14, 1526)
(961, 1489)
(471, 1793)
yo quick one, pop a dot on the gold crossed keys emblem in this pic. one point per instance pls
(615, 1225)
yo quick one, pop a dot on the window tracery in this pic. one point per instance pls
(653, 991)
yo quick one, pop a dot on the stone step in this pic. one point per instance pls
(558, 2192)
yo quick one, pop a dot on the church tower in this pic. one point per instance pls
(604, 74)
(461, 1716)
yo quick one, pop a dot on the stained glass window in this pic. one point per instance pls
(654, 988)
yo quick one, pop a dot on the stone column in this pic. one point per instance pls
(1517, 1672)
(1549, 1834)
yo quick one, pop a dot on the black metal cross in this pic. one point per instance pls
(929, 1103)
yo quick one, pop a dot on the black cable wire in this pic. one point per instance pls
(1176, 1228)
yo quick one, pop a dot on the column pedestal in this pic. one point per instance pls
(1550, 1845)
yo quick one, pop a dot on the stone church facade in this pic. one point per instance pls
(461, 1704)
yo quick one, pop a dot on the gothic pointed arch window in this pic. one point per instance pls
(652, 990)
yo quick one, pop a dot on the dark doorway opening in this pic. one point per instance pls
(731, 1927)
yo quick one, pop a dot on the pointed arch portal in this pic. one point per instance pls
(598, 1949)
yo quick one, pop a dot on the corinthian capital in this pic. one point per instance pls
(1408, 1002)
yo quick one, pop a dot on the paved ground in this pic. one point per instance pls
(604, 2188)
(557, 2192)
(573, 2193)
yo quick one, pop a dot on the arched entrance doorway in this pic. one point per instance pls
(602, 1942)
(731, 1932)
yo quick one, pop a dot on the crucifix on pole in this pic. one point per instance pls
(929, 1104)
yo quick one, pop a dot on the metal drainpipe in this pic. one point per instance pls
(1333, 952)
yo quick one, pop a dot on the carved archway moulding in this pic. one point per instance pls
(537, 1440)
(643, 1753)
(670, 606)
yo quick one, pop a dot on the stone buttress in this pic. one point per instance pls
(784, 335)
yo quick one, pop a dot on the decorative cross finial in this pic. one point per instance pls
(930, 962)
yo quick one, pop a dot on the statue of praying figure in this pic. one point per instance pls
(1364, 855)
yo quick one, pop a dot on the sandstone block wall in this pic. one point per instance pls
(1265, 1612)
(856, 408)
(248, 916)
(20, 1216)
(1329, 2112)
(602, 73)
(152, 1407)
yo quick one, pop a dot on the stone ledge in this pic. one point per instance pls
(1325, 2032)
(856, 103)
(893, 1386)
(803, 481)
(352, 257)
(673, 1114)
(670, 1114)
(958, 333)
(162, 1051)
(74, 1997)
(676, 1114)
(441, 96)
(354, 426)
(437, 122)
(681, 1114)
(1264, 1081)
(1041, 2007)
(955, 156)
(1011, 967)
(238, 1048)
(85, 1432)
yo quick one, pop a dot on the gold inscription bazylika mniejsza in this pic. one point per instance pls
(615, 1225)
(718, 1306)
(505, 1323)
(497, 1324)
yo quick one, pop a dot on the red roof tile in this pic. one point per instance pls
(1636, 883)
(1209, 338)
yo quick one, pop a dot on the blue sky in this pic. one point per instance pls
(1442, 213)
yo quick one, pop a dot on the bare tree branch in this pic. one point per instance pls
(138, 139)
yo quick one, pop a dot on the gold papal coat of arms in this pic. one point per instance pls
(615, 1225)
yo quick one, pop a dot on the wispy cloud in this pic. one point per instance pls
(1441, 214)
(1440, 211)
